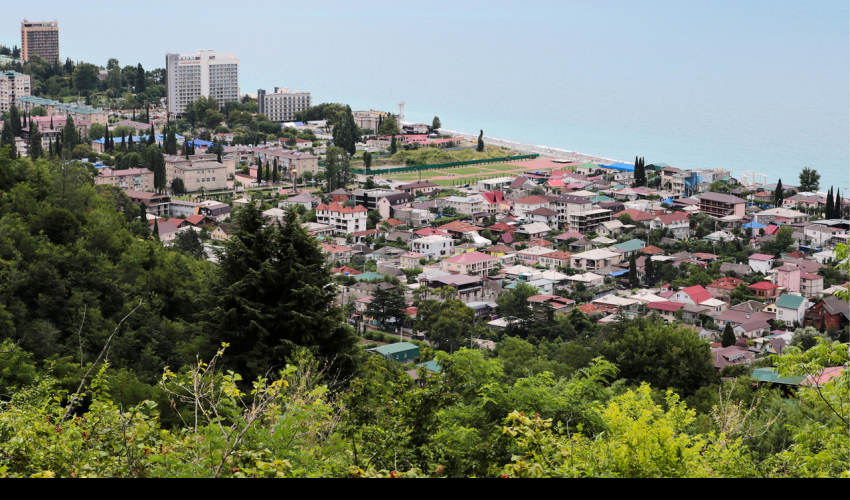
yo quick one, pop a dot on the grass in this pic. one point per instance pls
(503, 168)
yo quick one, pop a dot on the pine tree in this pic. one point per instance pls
(393, 146)
(7, 139)
(727, 338)
(778, 195)
(14, 121)
(69, 135)
(480, 147)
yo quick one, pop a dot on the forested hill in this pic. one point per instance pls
(123, 358)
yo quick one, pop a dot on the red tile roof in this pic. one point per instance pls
(667, 305)
(763, 285)
(668, 219)
(637, 215)
(394, 222)
(346, 269)
(470, 258)
(533, 200)
(697, 293)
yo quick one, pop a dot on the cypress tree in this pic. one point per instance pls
(633, 277)
(829, 204)
(130, 145)
(727, 338)
(480, 147)
(156, 228)
(144, 209)
(393, 146)
(50, 147)
(134, 114)
(275, 173)
(777, 194)
(51, 123)
(140, 83)
(7, 139)
(14, 121)
(268, 170)
(36, 149)
(649, 270)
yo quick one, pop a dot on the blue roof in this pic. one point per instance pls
(754, 225)
(628, 167)
(198, 142)
(617, 273)
(138, 138)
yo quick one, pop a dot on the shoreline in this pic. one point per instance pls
(535, 149)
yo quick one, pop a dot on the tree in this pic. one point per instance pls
(830, 204)
(626, 219)
(140, 84)
(212, 118)
(537, 191)
(809, 180)
(177, 186)
(633, 275)
(85, 77)
(480, 147)
(97, 131)
(665, 356)
(514, 307)
(346, 134)
(778, 194)
(805, 338)
(388, 127)
(727, 338)
(649, 270)
(393, 146)
(435, 124)
(373, 217)
(189, 242)
(70, 135)
(367, 161)
(15, 121)
(7, 139)
(387, 307)
(448, 324)
(640, 172)
(36, 150)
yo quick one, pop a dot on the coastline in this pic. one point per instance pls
(535, 149)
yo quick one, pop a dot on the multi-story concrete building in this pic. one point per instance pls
(51, 126)
(371, 198)
(288, 160)
(721, 205)
(566, 205)
(345, 220)
(205, 73)
(586, 222)
(229, 162)
(470, 263)
(282, 105)
(58, 109)
(209, 175)
(27, 103)
(433, 245)
(41, 39)
(13, 86)
(137, 179)
(371, 120)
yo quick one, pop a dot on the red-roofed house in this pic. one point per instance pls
(723, 286)
(430, 231)
(761, 263)
(470, 263)
(691, 295)
(458, 229)
(345, 220)
(555, 259)
(666, 309)
(637, 215)
(199, 220)
(596, 309)
(346, 270)
(336, 253)
(765, 290)
(541, 303)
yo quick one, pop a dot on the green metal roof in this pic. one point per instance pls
(431, 366)
(790, 301)
(81, 109)
(631, 245)
(601, 197)
(395, 348)
(38, 100)
(771, 375)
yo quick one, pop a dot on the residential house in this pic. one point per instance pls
(529, 203)
(222, 232)
(589, 280)
(531, 255)
(595, 259)
(432, 245)
(156, 204)
(677, 222)
(721, 205)
(568, 206)
(791, 309)
(555, 259)
(629, 247)
(543, 303)
(765, 290)
(306, 200)
(391, 202)
(691, 295)
(336, 253)
(788, 277)
(543, 215)
(534, 231)
(218, 211)
(738, 269)
(345, 220)
(610, 229)
(466, 205)
(722, 287)
(198, 175)
(637, 215)
(459, 229)
(752, 329)
(341, 195)
(427, 188)
(414, 217)
(811, 284)
(829, 313)
(819, 235)
(761, 263)
(410, 260)
(166, 230)
(589, 221)
(734, 355)
(388, 254)
(470, 263)
(666, 309)
(784, 215)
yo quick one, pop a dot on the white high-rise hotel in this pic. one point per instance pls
(204, 73)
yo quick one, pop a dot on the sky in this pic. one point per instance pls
(754, 84)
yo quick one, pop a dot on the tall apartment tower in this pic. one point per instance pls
(40, 38)
(205, 73)
(283, 104)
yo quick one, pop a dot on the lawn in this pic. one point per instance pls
(503, 168)
(470, 171)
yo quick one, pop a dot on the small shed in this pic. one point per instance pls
(403, 352)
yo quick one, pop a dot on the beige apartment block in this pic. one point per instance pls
(13, 86)
(211, 176)
(282, 105)
(137, 179)
(40, 38)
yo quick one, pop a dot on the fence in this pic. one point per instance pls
(440, 166)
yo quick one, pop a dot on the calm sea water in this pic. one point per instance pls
(746, 85)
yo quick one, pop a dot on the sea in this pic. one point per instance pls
(747, 85)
